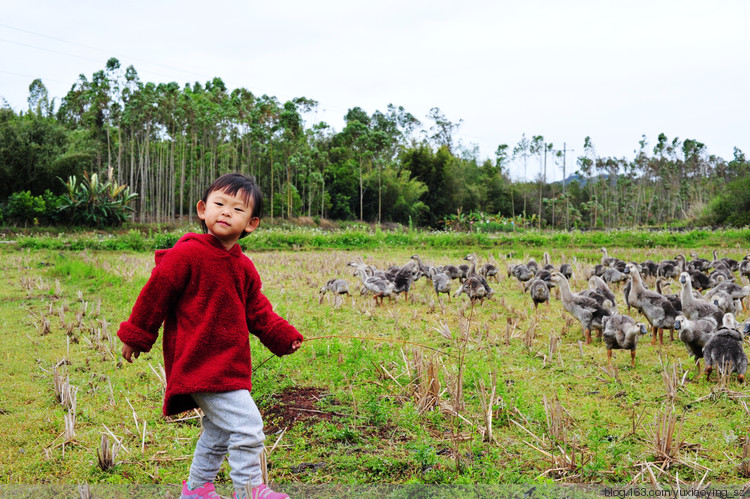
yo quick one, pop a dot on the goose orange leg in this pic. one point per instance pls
(632, 358)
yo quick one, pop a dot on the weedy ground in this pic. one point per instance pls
(419, 390)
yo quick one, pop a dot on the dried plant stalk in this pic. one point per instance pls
(106, 454)
(665, 438)
(487, 403)
(530, 335)
(553, 341)
(69, 435)
(744, 466)
(161, 375)
(84, 491)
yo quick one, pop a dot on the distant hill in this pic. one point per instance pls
(581, 180)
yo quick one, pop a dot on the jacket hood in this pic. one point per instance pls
(206, 240)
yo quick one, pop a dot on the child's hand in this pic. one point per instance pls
(295, 346)
(130, 353)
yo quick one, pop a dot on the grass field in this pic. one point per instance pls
(416, 391)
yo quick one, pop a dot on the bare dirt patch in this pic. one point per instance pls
(294, 405)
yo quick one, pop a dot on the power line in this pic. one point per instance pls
(98, 49)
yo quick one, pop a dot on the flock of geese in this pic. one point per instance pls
(703, 312)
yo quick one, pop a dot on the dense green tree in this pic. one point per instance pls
(168, 142)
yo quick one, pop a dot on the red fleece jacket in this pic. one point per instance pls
(209, 300)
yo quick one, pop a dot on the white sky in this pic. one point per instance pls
(562, 69)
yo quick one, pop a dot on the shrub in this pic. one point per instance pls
(94, 203)
(25, 208)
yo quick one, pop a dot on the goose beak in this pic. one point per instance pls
(627, 270)
(643, 329)
(677, 325)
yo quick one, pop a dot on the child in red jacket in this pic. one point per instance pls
(207, 294)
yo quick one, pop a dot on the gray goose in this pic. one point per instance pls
(337, 287)
(695, 335)
(657, 309)
(473, 273)
(588, 312)
(621, 333)
(473, 288)
(378, 286)
(538, 290)
(597, 284)
(441, 283)
(734, 290)
(724, 350)
(694, 308)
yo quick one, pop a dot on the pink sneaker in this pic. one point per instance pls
(263, 492)
(206, 490)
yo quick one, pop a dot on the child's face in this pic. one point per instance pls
(227, 216)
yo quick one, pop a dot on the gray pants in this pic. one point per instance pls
(231, 425)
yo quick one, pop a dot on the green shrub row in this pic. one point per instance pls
(358, 238)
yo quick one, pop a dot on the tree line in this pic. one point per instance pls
(167, 143)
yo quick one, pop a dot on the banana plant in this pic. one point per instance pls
(96, 203)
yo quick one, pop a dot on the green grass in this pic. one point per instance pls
(357, 237)
(364, 424)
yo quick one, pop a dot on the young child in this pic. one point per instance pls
(208, 295)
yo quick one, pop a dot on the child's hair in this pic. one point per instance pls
(237, 184)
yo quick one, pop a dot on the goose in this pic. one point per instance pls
(734, 290)
(607, 260)
(337, 287)
(699, 263)
(520, 272)
(648, 268)
(545, 275)
(391, 273)
(473, 288)
(673, 298)
(719, 275)
(621, 333)
(695, 308)
(566, 269)
(724, 351)
(732, 264)
(744, 266)
(489, 270)
(597, 270)
(472, 273)
(532, 265)
(724, 302)
(588, 312)
(464, 270)
(548, 263)
(600, 298)
(668, 269)
(538, 290)
(626, 292)
(700, 280)
(378, 286)
(404, 278)
(423, 269)
(368, 269)
(657, 309)
(695, 335)
(441, 283)
(612, 275)
(598, 284)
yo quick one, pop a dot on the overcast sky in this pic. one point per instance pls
(613, 71)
